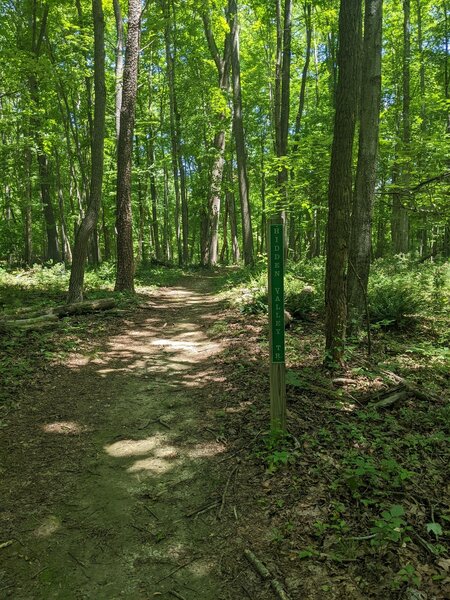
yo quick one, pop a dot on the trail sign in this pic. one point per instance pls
(275, 236)
(277, 291)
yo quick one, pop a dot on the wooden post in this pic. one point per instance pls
(275, 239)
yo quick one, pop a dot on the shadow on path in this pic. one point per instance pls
(112, 470)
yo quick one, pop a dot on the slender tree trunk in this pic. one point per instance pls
(400, 220)
(263, 200)
(167, 237)
(238, 128)
(142, 250)
(173, 131)
(119, 63)
(231, 204)
(282, 127)
(90, 220)
(340, 182)
(364, 194)
(224, 251)
(223, 70)
(28, 211)
(87, 79)
(106, 234)
(153, 192)
(124, 221)
(65, 242)
(52, 250)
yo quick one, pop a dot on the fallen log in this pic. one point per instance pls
(391, 397)
(41, 319)
(413, 388)
(32, 323)
(80, 308)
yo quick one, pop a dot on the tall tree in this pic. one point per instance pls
(364, 193)
(282, 91)
(119, 63)
(124, 221)
(179, 174)
(91, 217)
(400, 220)
(238, 128)
(222, 63)
(340, 180)
(38, 34)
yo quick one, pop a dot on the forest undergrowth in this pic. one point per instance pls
(355, 500)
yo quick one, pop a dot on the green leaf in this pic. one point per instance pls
(397, 510)
(434, 528)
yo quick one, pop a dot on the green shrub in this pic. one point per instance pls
(394, 301)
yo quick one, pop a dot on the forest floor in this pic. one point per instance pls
(135, 464)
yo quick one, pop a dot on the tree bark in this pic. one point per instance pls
(364, 194)
(340, 181)
(52, 250)
(90, 220)
(124, 220)
(238, 128)
(181, 208)
(400, 220)
(223, 70)
(282, 128)
(119, 64)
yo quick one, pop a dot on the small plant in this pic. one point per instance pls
(406, 575)
(390, 527)
(278, 451)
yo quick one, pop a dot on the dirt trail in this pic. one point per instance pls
(110, 461)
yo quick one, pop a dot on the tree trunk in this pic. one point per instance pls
(119, 64)
(28, 210)
(173, 131)
(223, 70)
(282, 127)
(400, 220)
(364, 194)
(238, 128)
(65, 242)
(52, 250)
(124, 221)
(90, 220)
(224, 251)
(153, 192)
(340, 182)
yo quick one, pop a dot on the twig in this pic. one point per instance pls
(259, 567)
(225, 490)
(39, 572)
(151, 512)
(177, 595)
(362, 537)
(247, 592)
(265, 574)
(177, 569)
(202, 509)
(78, 562)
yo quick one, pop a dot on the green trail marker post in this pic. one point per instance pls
(276, 324)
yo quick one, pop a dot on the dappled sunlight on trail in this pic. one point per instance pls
(123, 458)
